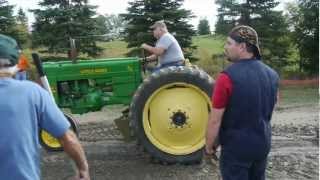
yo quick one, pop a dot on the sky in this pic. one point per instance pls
(200, 8)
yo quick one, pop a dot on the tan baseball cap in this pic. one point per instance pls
(246, 34)
(159, 24)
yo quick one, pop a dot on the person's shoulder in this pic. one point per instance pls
(29, 85)
(269, 68)
(230, 68)
(168, 36)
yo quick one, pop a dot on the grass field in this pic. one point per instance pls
(114, 49)
(209, 51)
(207, 46)
(299, 95)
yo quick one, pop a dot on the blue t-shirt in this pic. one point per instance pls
(25, 108)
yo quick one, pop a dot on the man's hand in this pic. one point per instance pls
(214, 123)
(210, 150)
(82, 175)
(144, 46)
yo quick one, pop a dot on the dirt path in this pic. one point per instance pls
(294, 152)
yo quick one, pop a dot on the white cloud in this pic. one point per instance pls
(202, 9)
(110, 6)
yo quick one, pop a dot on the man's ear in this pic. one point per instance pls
(243, 46)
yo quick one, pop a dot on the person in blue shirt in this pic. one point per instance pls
(25, 108)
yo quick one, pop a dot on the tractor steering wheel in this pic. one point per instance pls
(144, 60)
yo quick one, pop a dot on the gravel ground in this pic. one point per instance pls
(294, 153)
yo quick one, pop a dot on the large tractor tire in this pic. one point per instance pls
(51, 143)
(169, 113)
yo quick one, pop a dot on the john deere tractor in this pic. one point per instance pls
(168, 109)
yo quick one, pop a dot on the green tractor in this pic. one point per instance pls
(168, 110)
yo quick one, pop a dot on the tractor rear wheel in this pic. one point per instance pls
(169, 114)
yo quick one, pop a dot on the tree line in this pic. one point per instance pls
(279, 32)
(288, 40)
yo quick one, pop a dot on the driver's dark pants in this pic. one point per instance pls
(176, 63)
(234, 168)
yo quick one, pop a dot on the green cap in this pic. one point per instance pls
(9, 51)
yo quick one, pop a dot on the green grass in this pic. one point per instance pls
(209, 48)
(209, 43)
(111, 49)
(299, 95)
(114, 49)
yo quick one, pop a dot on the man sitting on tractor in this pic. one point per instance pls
(167, 49)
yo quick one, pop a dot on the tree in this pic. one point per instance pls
(7, 20)
(116, 24)
(226, 16)
(21, 17)
(270, 25)
(143, 13)
(22, 27)
(102, 27)
(9, 24)
(58, 21)
(223, 25)
(203, 27)
(304, 18)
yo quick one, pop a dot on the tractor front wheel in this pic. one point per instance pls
(51, 143)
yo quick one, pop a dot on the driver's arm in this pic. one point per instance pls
(154, 50)
(153, 57)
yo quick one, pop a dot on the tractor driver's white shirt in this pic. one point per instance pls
(173, 52)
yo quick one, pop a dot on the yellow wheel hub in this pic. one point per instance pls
(175, 118)
(49, 140)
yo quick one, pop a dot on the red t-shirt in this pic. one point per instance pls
(222, 91)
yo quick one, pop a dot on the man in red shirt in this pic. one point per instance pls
(243, 100)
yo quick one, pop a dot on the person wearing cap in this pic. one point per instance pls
(25, 108)
(243, 100)
(167, 49)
